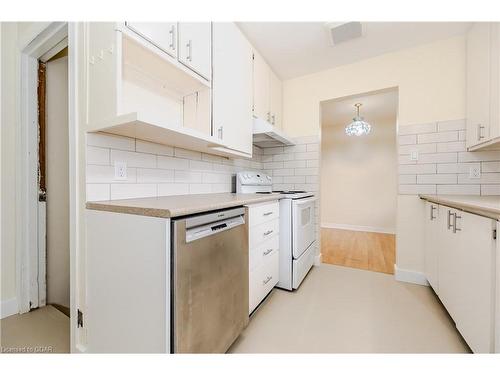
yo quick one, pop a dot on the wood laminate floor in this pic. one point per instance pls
(363, 250)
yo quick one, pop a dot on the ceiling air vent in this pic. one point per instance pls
(341, 32)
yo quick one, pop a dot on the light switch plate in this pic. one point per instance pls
(414, 155)
(120, 170)
(475, 172)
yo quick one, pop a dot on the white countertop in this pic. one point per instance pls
(180, 205)
(486, 205)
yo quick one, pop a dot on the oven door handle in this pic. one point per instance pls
(302, 202)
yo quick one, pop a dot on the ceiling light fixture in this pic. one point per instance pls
(358, 126)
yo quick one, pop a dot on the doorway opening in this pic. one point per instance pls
(359, 182)
(53, 179)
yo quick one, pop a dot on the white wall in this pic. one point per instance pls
(359, 174)
(431, 83)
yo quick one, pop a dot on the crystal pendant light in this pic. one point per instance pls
(358, 126)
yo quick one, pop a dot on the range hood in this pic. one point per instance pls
(266, 135)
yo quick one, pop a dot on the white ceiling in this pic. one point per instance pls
(378, 107)
(294, 49)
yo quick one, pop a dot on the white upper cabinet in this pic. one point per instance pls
(161, 34)
(195, 47)
(261, 86)
(483, 85)
(232, 88)
(275, 99)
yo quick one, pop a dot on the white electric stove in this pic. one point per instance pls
(297, 229)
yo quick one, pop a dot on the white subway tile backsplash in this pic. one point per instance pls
(443, 157)
(110, 141)
(417, 189)
(98, 192)
(102, 174)
(154, 175)
(421, 149)
(282, 157)
(417, 169)
(486, 178)
(222, 188)
(312, 147)
(294, 179)
(490, 189)
(126, 191)
(306, 171)
(450, 136)
(490, 166)
(456, 167)
(97, 155)
(173, 189)
(273, 165)
(213, 158)
(283, 172)
(479, 156)
(294, 164)
(405, 159)
(451, 146)
(295, 149)
(167, 162)
(444, 126)
(417, 128)
(216, 178)
(134, 159)
(188, 177)
(200, 165)
(461, 135)
(153, 148)
(427, 179)
(200, 188)
(407, 140)
(312, 163)
(459, 189)
(312, 155)
(273, 150)
(406, 179)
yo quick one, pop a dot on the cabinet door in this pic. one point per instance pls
(195, 47)
(432, 239)
(478, 84)
(476, 281)
(232, 87)
(162, 34)
(261, 86)
(276, 94)
(448, 266)
(495, 80)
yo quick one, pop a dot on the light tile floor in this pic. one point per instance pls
(345, 310)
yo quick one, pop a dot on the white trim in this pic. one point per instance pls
(359, 228)
(32, 45)
(408, 276)
(8, 307)
(317, 260)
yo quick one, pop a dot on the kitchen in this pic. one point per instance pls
(197, 199)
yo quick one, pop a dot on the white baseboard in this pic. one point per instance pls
(317, 260)
(409, 276)
(359, 228)
(8, 307)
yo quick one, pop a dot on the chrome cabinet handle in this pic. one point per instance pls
(268, 213)
(268, 232)
(172, 37)
(220, 131)
(479, 132)
(455, 217)
(189, 46)
(432, 212)
(274, 119)
(269, 278)
(449, 220)
(268, 251)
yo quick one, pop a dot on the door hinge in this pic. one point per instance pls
(494, 234)
(79, 320)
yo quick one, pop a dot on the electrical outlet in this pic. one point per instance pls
(475, 172)
(120, 170)
(414, 155)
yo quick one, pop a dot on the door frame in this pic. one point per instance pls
(42, 39)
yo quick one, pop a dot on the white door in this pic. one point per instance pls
(261, 85)
(478, 83)
(302, 225)
(195, 47)
(476, 281)
(162, 34)
(232, 87)
(275, 104)
(432, 240)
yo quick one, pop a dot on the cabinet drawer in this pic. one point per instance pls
(262, 280)
(264, 251)
(262, 213)
(263, 232)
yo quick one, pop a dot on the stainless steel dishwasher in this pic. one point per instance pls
(209, 281)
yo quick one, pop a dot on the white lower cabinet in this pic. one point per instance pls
(263, 251)
(460, 259)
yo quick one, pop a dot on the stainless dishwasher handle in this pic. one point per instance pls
(269, 278)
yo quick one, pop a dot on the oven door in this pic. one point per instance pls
(302, 225)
